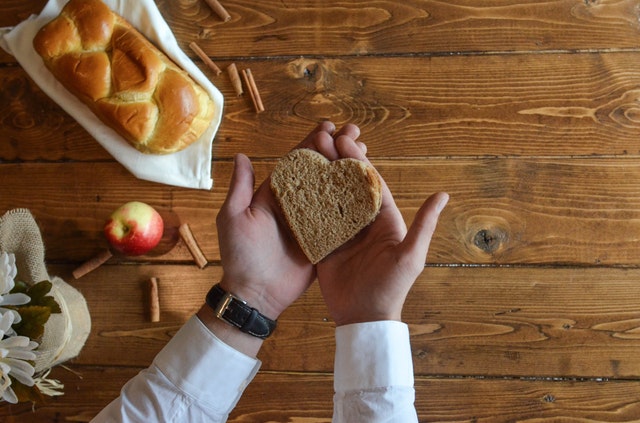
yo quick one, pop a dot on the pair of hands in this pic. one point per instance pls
(367, 279)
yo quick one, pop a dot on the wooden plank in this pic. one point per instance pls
(505, 105)
(502, 211)
(442, 400)
(294, 397)
(524, 322)
(536, 105)
(409, 27)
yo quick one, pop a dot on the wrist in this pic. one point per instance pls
(243, 342)
(366, 317)
(253, 295)
(236, 312)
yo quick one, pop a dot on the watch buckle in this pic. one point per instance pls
(224, 303)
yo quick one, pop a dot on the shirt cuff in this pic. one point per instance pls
(205, 368)
(372, 355)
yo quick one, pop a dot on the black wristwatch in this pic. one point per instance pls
(238, 313)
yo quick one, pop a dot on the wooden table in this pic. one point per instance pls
(526, 112)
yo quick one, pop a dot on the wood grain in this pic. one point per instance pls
(525, 111)
(413, 26)
(304, 398)
(468, 400)
(503, 211)
(525, 322)
(499, 105)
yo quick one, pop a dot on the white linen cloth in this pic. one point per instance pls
(191, 167)
(198, 378)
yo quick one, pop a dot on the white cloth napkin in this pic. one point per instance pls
(191, 167)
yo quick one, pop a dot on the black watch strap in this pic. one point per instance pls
(238, 313)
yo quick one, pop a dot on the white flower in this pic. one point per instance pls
(15, 351)
(8, 272)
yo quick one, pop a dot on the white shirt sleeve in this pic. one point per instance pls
(373, 374)
(196, 377)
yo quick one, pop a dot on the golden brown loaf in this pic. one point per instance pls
(325, 203)
(127, 82)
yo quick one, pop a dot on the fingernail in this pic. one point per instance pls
(442, 203)
(331, 126)
(363, 147)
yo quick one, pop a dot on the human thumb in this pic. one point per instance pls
(240, 191)
(418, 237)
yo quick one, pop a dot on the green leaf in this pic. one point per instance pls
(38, 293)
(40, 289)
(20, 288)
(33, 320)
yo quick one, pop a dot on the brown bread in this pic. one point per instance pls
(325, 203)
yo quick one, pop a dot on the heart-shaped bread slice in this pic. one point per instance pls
(326, 203)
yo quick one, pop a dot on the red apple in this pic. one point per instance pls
(134, 228)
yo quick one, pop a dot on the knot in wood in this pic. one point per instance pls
(489, 234)
(311, 71)
(489, 240)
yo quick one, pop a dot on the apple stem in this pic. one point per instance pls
(92, 264)
(192, 245)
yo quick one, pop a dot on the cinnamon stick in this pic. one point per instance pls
(154, 300)
(219, 9)
(192, 245)
(92, 264)
(207, 61)
(253, 90)
(234, 76)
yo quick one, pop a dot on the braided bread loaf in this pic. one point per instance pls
(123, 78)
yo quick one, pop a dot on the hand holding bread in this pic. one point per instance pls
(365, 262)
(262, 263)
(369, 277)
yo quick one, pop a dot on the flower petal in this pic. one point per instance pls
(21, 370)
(22, 355)
(15, 342)
(14, 299)
(8, 272)
(9, 396)
(6, 320)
